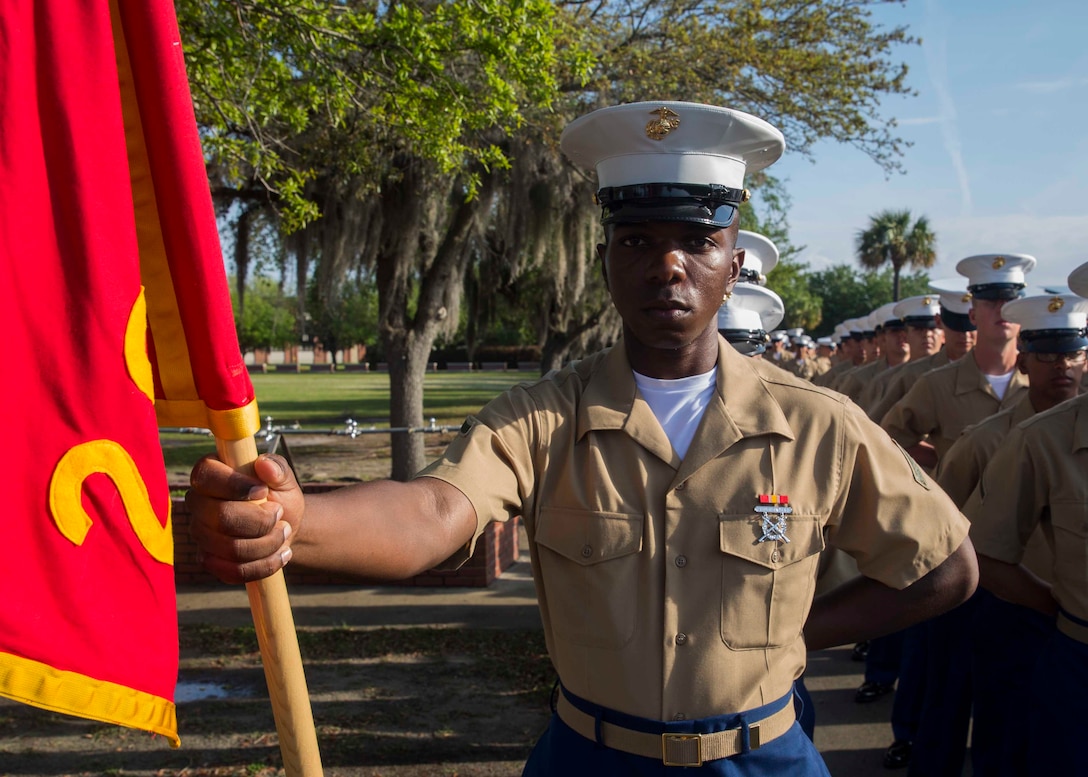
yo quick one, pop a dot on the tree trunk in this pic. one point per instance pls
(407, 356)
(241, 256)
(895, 283)
(415, 243)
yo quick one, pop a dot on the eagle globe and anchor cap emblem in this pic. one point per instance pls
(667, 120)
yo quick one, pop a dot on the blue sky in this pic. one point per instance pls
(999, 126)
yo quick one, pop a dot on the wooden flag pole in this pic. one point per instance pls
(276, 636)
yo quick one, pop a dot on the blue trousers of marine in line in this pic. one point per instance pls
(907, 704)
(564, 752)
(1056, 718)
(940, 741)
(1007, 640)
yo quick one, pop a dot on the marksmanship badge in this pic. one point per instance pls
(773, 509)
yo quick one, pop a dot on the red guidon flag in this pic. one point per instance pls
(116, 319)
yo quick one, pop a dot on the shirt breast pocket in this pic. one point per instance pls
(767, 587)
(1070, 522)
(590, 566)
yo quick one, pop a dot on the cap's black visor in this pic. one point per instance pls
(957, 322)
(997, 292)
(714, 206)
(746, 341)
(1053, 340)
(921, 322)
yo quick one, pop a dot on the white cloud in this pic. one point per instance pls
(1050, 87)
(935, 49)
(921, 120)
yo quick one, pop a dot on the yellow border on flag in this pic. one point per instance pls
(71, 693)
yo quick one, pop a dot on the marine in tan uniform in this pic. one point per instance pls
(916, 318)
(958, 334)
(973, 663)
(674, 567)
(851, 356)
(892, 341)
(804, 362)
(825, 353)
(1039, 478)
(942, 403)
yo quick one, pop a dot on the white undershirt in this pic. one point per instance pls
(678, 404)
(1000, 383)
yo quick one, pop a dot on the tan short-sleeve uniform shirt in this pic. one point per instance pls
(657, 595)
(962, 467)
(945, 401)
(853, 383)
(1039, 478)
(900, 380)
(826, 378)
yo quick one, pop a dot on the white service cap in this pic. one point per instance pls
(996, 276)
(885, 316)
(955, 302)
(1078, 280)
(1049, 323)
(671, 161)
(760, 256)
(751, 307)
(920, 309)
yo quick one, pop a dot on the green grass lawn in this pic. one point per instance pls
(327, 400)
(322, 402)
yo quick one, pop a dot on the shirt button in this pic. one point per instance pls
(587, 551)
(681, 638)
(679, 716)
(774, 556)
(681, 561)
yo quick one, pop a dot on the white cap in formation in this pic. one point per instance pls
(671, 161)
(826, 341)
(1078, 280)
(955, 302)
(921, 310)
(885, 317)
(746, 315)
(751, 307)
(1049, 323)
(760, 256)
(996, 276)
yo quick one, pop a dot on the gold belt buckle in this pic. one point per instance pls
(686, 750)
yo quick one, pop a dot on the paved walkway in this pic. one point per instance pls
(851, 736)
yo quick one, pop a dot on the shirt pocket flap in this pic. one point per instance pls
(739, 536)
(587, 537)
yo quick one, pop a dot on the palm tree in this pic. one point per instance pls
(892, 239)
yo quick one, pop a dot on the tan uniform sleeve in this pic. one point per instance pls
(959, 470)
(491, 462)
(895, 522)
(912, 417)
(1006, 507)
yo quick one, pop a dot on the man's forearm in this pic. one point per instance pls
(864, 608)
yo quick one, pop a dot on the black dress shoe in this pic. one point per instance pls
(870, 691)
(898, 755)
(860, 651)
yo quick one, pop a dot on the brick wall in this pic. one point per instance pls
(496, 550)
